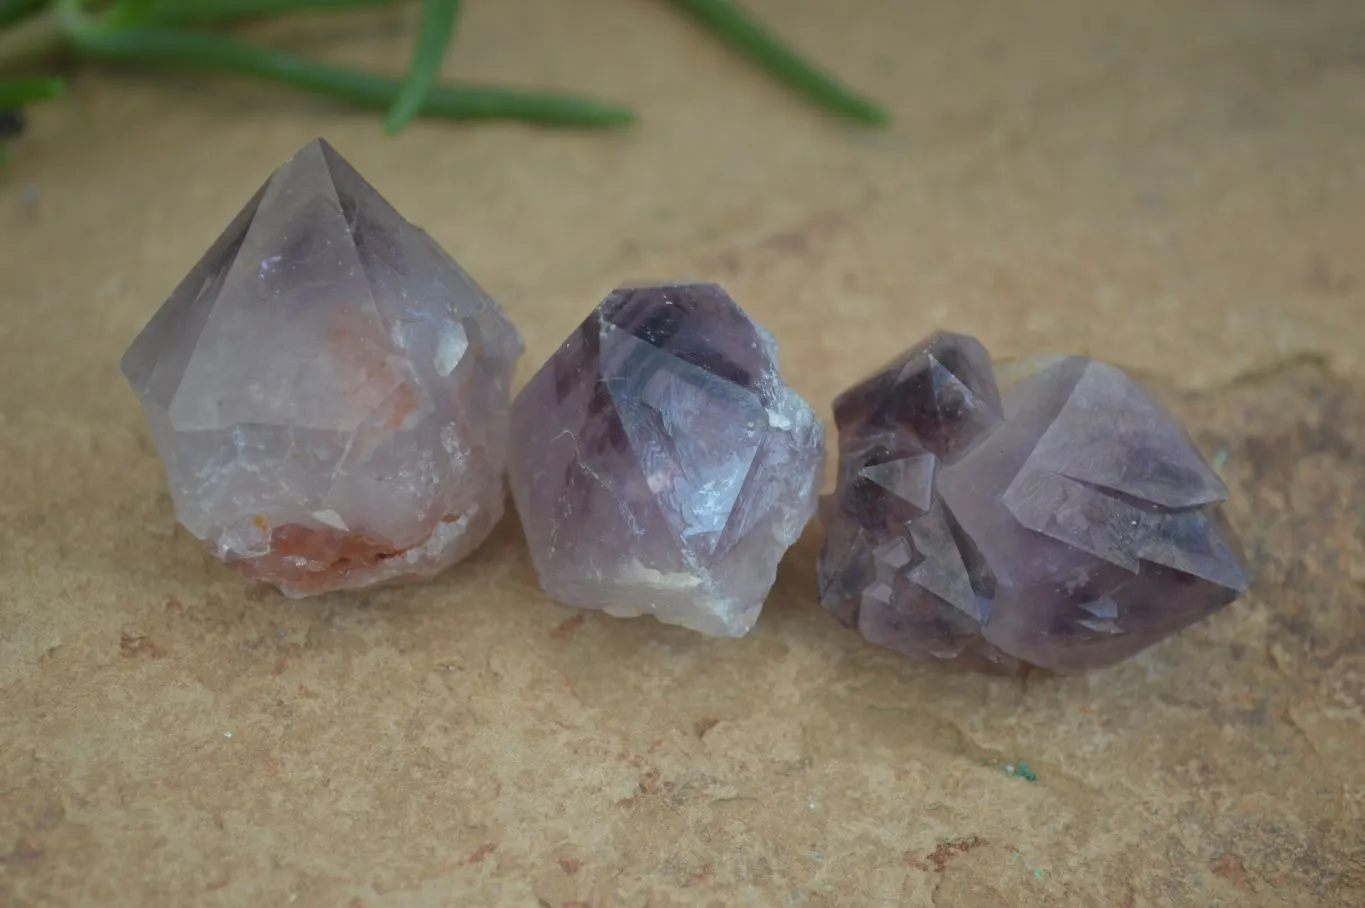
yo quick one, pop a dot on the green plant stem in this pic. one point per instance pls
(361, 89)
(129, 12)
(18, 92)
(743, 33)
(434, 34)
(188, 12)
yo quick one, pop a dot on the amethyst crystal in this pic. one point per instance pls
(328, 390)
(661, 464)
(1068, 525)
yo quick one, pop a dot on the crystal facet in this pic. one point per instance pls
(662, 466)
(1067, 526)
(328, 390)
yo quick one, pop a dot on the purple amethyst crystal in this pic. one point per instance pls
(662, 466)
(328, 390)
(1067, 526)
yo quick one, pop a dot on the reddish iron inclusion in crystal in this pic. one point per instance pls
(328, 390)
(660, 464)
(1067, 525)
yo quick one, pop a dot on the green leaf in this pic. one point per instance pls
(434, 34)
(224, 54)
(18, 92)
(187, 12)
(743, 33)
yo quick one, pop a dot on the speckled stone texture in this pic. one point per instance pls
(328, 390)
(661, 465)
(1067, 526)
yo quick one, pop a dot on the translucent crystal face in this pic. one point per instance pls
(1068, 526)
(328, 390)
(662, 466)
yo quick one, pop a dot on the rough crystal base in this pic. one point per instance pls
(328, 390)
(1068, 525)
(661, 464)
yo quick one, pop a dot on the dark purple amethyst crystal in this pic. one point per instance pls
(1068, 526)
(662, 466)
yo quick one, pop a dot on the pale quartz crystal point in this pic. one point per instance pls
(661, 464)
(1067, 524)
(328, 390)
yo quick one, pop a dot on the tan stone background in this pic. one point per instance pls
(1176, 186)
